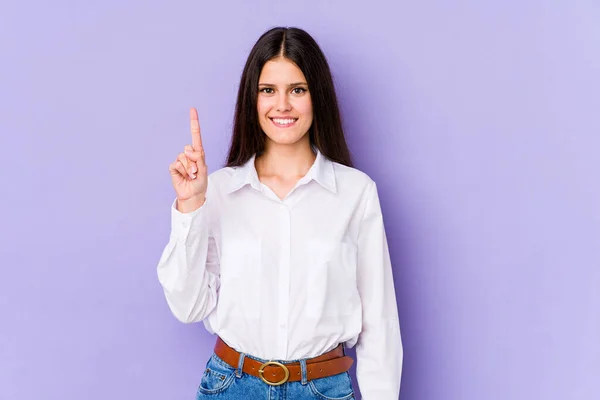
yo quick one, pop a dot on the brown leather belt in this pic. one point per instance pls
(331, 363)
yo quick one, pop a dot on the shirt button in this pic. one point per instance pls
(282, 326)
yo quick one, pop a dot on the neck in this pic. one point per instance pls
(285, 161)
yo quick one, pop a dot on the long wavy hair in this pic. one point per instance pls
(326, 132)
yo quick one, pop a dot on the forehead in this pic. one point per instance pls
(281, 70)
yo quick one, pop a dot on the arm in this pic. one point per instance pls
(379, 348)
(188, 269)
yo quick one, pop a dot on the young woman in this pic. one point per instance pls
(282, 253)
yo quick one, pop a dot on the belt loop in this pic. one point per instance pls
(303, 371)
(238, 371)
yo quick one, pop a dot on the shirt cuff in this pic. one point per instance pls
(182, 223)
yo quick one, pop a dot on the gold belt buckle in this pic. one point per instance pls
(261, 370)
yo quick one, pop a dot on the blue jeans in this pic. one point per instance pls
(222, 381)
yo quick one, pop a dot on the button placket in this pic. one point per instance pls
(284, 277)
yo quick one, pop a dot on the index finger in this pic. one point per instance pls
(195, 128)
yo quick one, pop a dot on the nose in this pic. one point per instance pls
(283, 103)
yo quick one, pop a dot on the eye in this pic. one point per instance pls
(298, 90)
(267, 90)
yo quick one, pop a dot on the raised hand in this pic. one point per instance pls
(189, 172)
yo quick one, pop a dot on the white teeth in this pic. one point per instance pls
(283, 121)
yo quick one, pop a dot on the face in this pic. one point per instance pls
(284, 105)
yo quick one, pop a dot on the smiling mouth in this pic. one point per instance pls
(283, 122)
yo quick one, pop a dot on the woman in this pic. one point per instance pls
(282, 253)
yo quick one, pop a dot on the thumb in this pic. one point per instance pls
(193, 155)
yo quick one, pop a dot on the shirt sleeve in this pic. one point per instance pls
(188, 269)
(379, 349)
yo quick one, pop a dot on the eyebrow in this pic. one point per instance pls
(291, 84)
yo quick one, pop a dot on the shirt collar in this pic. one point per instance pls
(321, 171)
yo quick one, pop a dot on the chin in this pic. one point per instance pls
(285, 139)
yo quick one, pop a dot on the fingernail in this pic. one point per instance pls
(193, 176)
(193, 170)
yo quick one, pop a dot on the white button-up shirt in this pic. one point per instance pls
(292, 278)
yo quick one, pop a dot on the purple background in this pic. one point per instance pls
(479, 121)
